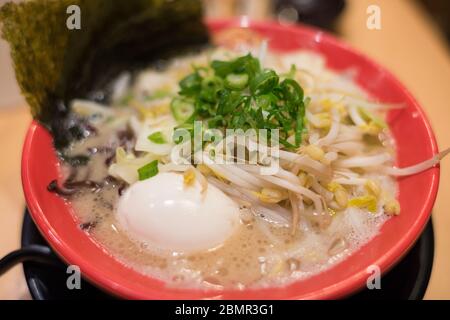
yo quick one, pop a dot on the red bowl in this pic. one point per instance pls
(411, 131)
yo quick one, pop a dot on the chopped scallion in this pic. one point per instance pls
(238, 94)
(182, 109)
(236, 81)
(157, 137)
(148, 171)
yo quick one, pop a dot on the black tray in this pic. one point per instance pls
(407, 280)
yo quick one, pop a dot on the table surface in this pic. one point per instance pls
(408, 44)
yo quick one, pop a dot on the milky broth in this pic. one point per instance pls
(258, 254)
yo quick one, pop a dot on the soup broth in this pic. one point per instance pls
(259, 253)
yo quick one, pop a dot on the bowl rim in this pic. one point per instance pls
(339, 289)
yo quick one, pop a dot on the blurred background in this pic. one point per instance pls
(413, 42)
(328, 14)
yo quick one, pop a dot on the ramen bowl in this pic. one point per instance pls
(413, 136)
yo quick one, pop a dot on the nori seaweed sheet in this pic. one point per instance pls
(53, 64)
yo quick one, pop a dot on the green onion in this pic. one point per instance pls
(238, 94)
(210, 86)
(221, 68)
(264, 82)
(236, 81)
(148, 171)
(291, 73)
(157, 137)
(292, 91)
(228, 101)
(182, 109)
(191, 84)
(299, 126)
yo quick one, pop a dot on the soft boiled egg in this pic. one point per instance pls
(164, 212)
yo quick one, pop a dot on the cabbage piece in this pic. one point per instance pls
(143, 142)
(127, 165)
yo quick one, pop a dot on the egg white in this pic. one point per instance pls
(162, 211)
